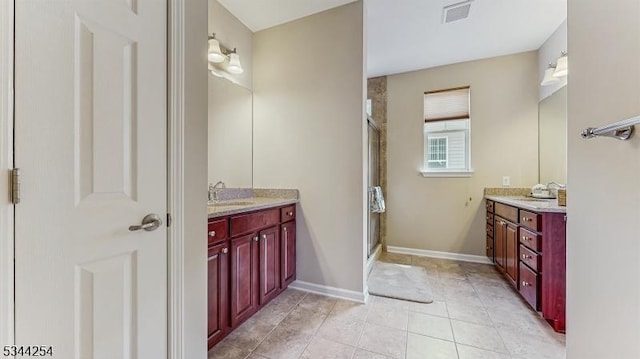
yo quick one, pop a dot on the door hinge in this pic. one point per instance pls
(15, 185)
(168, 220)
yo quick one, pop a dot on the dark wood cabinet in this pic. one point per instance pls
(490, 231)
(269, 263)
(530, 249)
(511, 253)
(288, 253)
(243, 272)
(252, 259)
(218, 292)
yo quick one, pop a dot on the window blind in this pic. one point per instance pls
(444, 105)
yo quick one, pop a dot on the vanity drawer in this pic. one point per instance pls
(530, 220)
(531, 239)
(254, 221)
(490, 206)
(490, 248)
(529, 286)
(530, 258)
(217, 231)
(507, 212)
(288, 213)
(490, 230)
(490, 218)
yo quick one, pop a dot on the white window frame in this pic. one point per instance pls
(446, 146)
(444, 172)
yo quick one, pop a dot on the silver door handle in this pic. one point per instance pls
(150, 222)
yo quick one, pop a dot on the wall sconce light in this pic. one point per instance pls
(228, 59)
(562, 68)
(549, 76)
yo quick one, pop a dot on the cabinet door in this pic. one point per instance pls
(498, 244)
(243, 278)
(269, 263)
(288, 253)
(511, 249)
(217, 293)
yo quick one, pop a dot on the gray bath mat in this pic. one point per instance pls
(400, 281)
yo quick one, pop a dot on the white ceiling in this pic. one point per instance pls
(406, 35)
(261, 14)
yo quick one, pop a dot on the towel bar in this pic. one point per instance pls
(622, 130)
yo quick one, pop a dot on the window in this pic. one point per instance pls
(447, 133)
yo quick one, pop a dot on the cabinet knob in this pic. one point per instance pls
(284, 229)
(525, 238)
(524, 256)
(526, 219)
(255, 238)
(264, 236)
(212, 234)
(289, 213)
(525, 284)
(225, 250)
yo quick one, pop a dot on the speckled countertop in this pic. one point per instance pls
(530, 203)
(239, 200)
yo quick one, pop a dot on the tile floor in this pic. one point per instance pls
(475, 315)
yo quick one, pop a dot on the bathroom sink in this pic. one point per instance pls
(531, 199)
(232, 203)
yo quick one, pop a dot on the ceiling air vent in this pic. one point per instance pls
(456, 12)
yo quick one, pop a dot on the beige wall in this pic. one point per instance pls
(603, 195)
(309, 91)
(232, 33)
(446, 214)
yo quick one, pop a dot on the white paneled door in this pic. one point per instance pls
(90, 139)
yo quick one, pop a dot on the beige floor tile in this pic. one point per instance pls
(522, 320)
(363, 354)
(422, 347)
(284, 344)
(470, 299)
(467, 352)
(383, 340)
(348, 310)
(433, 326)
(346, 331)
(479, 336)
(395, 258)
(273, 313)
(392, 317)
(249, 334)
(226, 351)
(318, 303)
(532, 346)
(377, 301)
(256, 356)
(290, 297)
(468, 313)
(321, 348)
(438, 308)
(303, 320)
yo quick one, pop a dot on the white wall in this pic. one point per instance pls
(549, 53)
(603, 195)
(233, 33)
(446, 214)
(194, 324)
(309, 92)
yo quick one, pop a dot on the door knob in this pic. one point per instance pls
(150, 222)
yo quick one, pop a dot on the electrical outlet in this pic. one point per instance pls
(506, 181)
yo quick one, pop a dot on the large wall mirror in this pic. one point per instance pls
(553, 137)
(230, 133)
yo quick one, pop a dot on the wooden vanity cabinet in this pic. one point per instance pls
(252, 261)
(490, 247)
(530, 249)
(218, 292)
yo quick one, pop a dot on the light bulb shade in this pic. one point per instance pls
(215, 54)
(234, 66)
(549, 77)
(562, 68)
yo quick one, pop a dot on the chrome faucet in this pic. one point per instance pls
(213, 194)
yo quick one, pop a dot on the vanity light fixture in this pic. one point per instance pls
(549, 76)
(215, 53)
(229, 60)
(562, 68)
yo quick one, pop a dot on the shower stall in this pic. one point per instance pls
(374, 180)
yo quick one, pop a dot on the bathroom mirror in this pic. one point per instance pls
(552, 140)
(230, 133)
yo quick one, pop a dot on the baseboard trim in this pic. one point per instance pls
(373, 258)
(441, 255)
(330, 291)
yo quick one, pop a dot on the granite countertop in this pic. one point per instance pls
(239, 200)
(530, 203)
